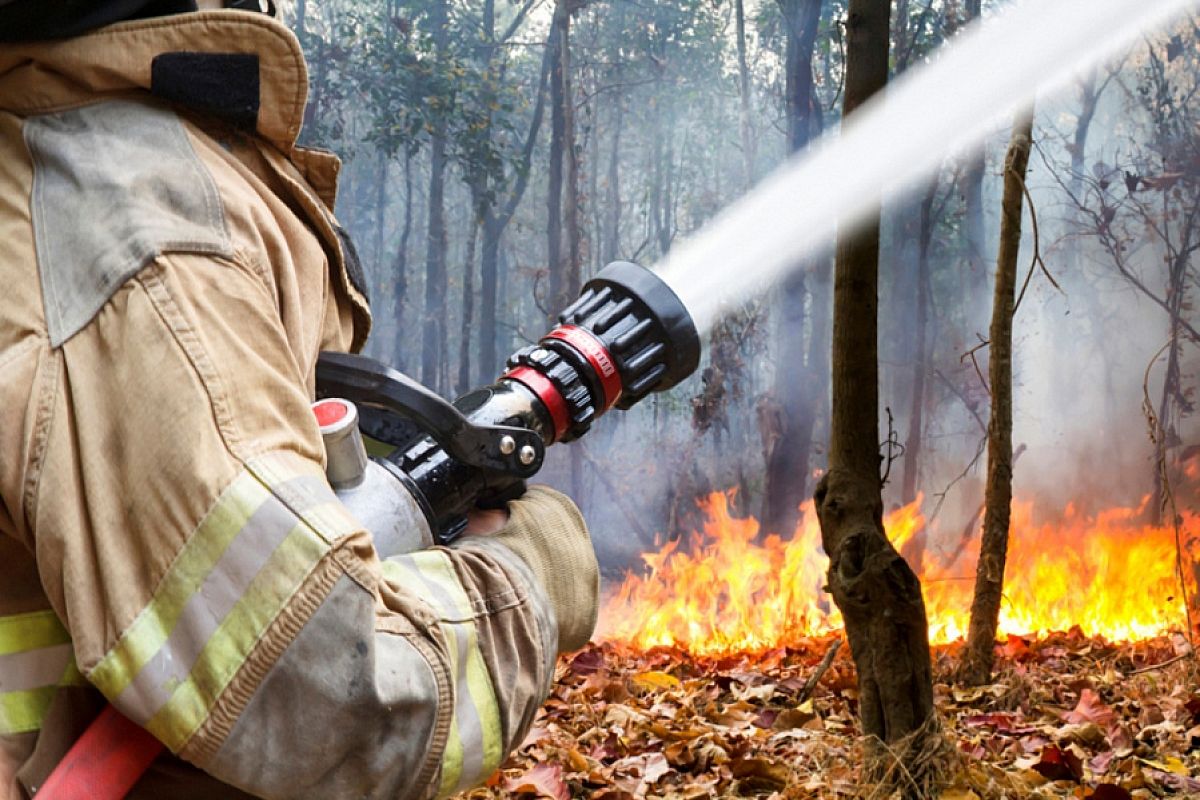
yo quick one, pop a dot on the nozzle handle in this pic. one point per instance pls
(496, 448)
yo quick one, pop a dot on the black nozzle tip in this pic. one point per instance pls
(677, 330)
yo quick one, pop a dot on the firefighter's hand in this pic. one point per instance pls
(546, 530)
(485, 521)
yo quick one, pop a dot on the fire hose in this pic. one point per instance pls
(627, 336)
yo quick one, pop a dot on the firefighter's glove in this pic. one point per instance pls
(548, 533)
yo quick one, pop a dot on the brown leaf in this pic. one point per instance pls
(793, 718)
(760, 774)
(587, 662)
(1059, 765)
(1090, 709)
(543, 780)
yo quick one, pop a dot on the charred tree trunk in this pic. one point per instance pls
(788, 457)
(878, 594)
(976, 667)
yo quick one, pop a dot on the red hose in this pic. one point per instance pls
(105, 762)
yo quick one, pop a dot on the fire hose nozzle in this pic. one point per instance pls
(628, 335)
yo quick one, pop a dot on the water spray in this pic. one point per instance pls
(893, 143)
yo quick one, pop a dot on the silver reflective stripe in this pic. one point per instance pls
(33, 669)
(221, 589)
(205, 610)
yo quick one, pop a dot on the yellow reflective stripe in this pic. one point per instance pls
(237, 571)
(33, 649)
(479, 683)
(236, 636)
(476, 743)
(154, 624)
(21, 632)
(22, 712)
(452, 757)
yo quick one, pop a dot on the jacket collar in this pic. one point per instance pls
(116, 61)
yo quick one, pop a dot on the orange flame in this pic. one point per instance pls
(725, 592)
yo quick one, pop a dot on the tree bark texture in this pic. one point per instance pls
(400, 270)
(878, 594)
(976, 668)
(468, 312)
(495, 220)
(794, 386)
(554, 188)
(433, 337)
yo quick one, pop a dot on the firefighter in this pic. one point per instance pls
(168, 542)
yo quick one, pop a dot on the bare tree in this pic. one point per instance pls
(875, 589)
(976, 667)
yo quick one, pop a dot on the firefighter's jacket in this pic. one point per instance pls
(169, 271)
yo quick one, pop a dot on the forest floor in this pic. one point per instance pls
(1068, 717)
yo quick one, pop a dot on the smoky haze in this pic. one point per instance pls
(671, 129)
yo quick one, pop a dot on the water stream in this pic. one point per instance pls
(895, 142)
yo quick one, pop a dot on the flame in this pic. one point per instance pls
(724, 591)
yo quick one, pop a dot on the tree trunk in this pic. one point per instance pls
(794, 390)
(878, 594)
(402, 336)
(468, 311)
(976, 668)
(494, 224)
(433, 338)
(612, 237)
(744, 91)
(554, 190)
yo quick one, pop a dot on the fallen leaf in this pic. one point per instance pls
(543, 780)
(1059, 765)
(1090, 709)
(654, 680)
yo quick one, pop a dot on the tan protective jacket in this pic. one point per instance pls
(166, 531)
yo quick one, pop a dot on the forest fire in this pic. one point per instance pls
(722, 591)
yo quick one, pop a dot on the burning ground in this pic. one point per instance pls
(719, 673)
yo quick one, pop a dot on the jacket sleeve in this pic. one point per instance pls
(219, 594)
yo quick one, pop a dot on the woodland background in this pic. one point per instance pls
(499, 153)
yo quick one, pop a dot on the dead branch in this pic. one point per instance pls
(1168, 499)
(962, 398)
(1166, 663)
(811, 684)
(1037, 250)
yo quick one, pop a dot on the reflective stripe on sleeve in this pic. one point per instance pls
(35, 660)
(234, 575)
(475, 745)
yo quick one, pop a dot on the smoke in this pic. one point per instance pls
(891, 145)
